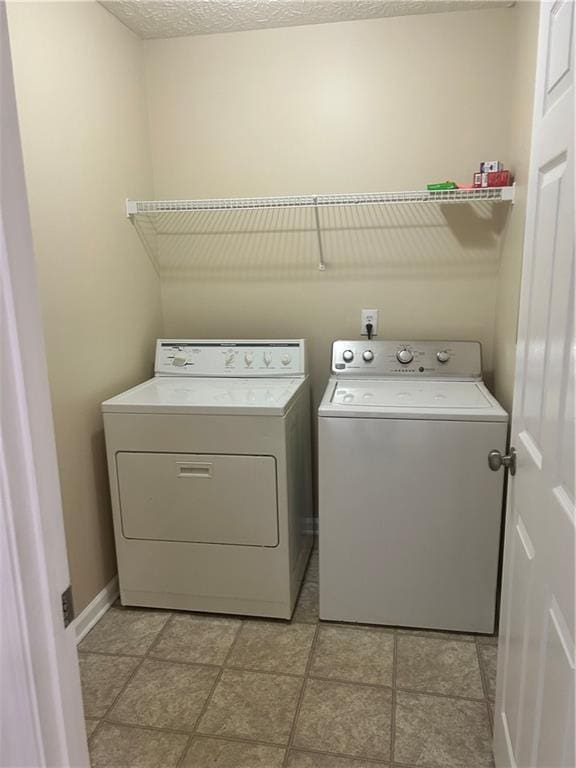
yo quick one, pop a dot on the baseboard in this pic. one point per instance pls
(84, 622)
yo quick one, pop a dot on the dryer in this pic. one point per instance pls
(210, 478)
(409, 511)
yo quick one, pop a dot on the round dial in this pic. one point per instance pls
(442, 356)
(286, 359)
(404, 356)
(368, 355)
(180, 359)
(348, 355)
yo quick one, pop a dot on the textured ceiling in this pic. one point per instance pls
(176, 18)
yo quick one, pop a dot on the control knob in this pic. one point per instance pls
(442, 356)
(368, 355)
(267, 358)
(348, 355)
(180, 359)
(286, 359)
(404, 356)
(249, 358)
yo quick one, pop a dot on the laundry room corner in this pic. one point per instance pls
(236, 114)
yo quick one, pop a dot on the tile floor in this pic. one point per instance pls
(166, 689)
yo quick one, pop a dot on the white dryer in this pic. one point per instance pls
(210, 478)
(410, 513)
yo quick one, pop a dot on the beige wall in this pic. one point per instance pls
(83, 113)
(359, 106)
(506, 325)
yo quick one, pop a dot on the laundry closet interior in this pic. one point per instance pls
(205, 172)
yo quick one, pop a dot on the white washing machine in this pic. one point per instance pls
(410, 513)
(210, 478)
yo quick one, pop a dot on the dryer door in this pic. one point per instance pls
(214, 499)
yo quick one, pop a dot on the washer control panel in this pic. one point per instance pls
(408, 359)
(233, 358)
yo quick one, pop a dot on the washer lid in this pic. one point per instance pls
(389, 398)
(188, 395)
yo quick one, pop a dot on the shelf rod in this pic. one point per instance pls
(321, 264)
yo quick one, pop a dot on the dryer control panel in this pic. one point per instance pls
(460, 360)
(230, 358)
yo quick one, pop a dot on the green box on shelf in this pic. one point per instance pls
(442, 185)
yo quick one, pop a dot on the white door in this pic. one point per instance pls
(534, 718)
(41, 720)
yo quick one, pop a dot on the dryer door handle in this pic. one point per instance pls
(194, 469)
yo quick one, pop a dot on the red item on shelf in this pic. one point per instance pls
(499, 179)
(493, 179)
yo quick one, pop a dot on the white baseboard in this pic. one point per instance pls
(84, 622)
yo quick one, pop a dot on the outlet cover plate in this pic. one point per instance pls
(369, 316)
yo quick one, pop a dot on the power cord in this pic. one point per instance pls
(369, 328)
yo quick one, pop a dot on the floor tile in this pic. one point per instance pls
(91, 726)
(437, 732)
(125, 631)
(103, 677)
(217, 753)
(117, 746)
(488, 657)
(199, 639)
(359, 655)
(346, 718)
(311, 760)
(165, 695)
(306, 610)
(438, 666)
(252, 705)
(273, 647)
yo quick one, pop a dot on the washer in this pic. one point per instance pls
(210, 478)
(410, 513)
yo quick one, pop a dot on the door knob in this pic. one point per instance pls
(496, 460)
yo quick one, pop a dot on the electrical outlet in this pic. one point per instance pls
(369, 316)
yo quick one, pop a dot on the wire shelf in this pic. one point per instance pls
(167, 217)
(493, 194)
